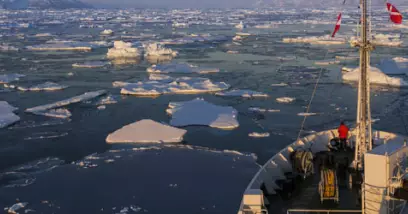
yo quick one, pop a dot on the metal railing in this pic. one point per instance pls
(289, 211)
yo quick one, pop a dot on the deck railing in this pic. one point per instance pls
(321, 211)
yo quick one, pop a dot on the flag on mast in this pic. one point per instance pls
(338, 23)
(395, 15)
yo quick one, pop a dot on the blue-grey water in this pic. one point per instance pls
(142, 178)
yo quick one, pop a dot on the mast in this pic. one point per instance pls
(363, 121)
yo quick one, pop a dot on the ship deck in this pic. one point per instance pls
(305, 196)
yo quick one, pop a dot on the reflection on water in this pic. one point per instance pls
(125, 61)
(158, 59)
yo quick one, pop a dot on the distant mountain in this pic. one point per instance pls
(42, 4)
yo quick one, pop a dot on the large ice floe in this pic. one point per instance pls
(47, 86)
(123, 50)
(181, 85)
(62, 46)
(52, 108)
(242, 93)
(319, 40)
(201, 112)
(376, 76)
(6, 47)
(8, 78)
(146, 131)
(180, 68)
(7, 116)
(391, 40)
(394, 66)
(156, 49)
(91, 64)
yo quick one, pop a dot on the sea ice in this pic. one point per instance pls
(376, 76)
(156, 49)
(327, 62)
(180, 68)
(107, 32)
(392, 66)
(258, 135)
(6, 47)
(92, 64)
(262, 110)
(80, 98)
(306, 114)
(7, 117)
(62, 113)
(181, 85)
(62, 46)
(160, 77)
(200, 112)
(123, 50)
(8, 78)
(146, 131)
(279, 84)
(322, 40)
(400, 59)
(47, 86)
(242, 93)
(285, 99)
(13, 209)
(107, 100)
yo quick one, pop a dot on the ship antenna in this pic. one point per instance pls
(363, 120)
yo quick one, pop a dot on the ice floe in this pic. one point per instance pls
(107, 100)
(180, 68)
(156, 49)
(7, 116)
(92, 64)
(262, 110)
(62, 46)
(392, 66)
(107, 32)
(47, 86)
(258, 135)
(181, 85)
(80, 98)
(376, 76)
(201, 112)
(57, 113)
(146, 131)
(400, 59)
(391, 40)
(306, 114)
(242, 93)
(6, 47)
(285, 99)
(123, 50)
(13, 209)
(282, 84)
(327, 62)
(160, 77)
(322, 40)
(8, 78)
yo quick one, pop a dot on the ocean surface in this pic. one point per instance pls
(65, 165)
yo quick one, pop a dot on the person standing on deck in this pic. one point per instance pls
(343, 134)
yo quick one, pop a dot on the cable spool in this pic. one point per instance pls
(302, 162)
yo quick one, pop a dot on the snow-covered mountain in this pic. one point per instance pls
(42, 4)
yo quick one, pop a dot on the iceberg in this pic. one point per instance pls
(376, 76)
(8, 78)
(80, 98)
(92, 64)
(146, 131)
(181, 85)
(123, 50)
(7, 117)
(200, 112)
(285, 99)
(47, 86)
(180, 68)
(392, 66)
(242, 93)
(156, 49)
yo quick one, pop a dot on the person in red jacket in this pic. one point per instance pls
(343, 135)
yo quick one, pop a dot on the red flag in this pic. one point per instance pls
(338, 23)
(395, 15)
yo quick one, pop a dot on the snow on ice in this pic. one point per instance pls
(376, 76)
(258, 135)
(201, 112)
(242, 93)
(146, 131)
(123, 50)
